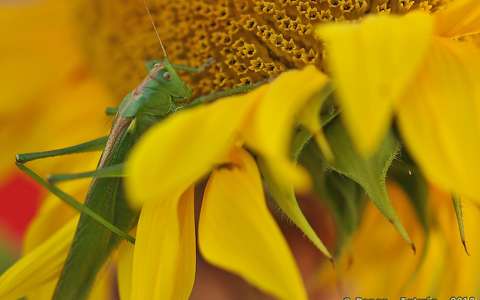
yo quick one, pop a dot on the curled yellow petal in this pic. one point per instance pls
(460, 18)
(238, 233)
(178, 151)
(270, 130)
(39, 267)
(164, 255)
(372, 64)
(439, 117)
(310, 118)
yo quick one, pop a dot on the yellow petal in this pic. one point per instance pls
(372, 63)
(124, 270)
(101, 289)
(461, 17)
(440, 117)
(238, 233)
(270, 130)
(180, 150)
(39, 267)
(474, 38)
(164, 255)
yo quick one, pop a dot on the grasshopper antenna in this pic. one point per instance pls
(155, 28)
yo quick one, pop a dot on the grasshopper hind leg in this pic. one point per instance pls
(90, 146)
(75, 204)
(106, 172)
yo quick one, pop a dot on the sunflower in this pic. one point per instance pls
(376, 65)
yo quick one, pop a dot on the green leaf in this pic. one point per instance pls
(370, 172)
(285, 198)
(344, 197)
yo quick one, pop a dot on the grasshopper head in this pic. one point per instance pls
(168, 79)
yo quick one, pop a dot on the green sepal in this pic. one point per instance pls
(369, 173)
(343, 197)
(284, 197)
(413, 183)
(457, 205)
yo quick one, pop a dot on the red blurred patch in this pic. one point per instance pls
(19, 200)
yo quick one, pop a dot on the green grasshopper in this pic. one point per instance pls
(105, 217)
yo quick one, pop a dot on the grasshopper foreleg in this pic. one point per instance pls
(225, 93)
(189, 69)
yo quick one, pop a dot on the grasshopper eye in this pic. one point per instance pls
(167, 76)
